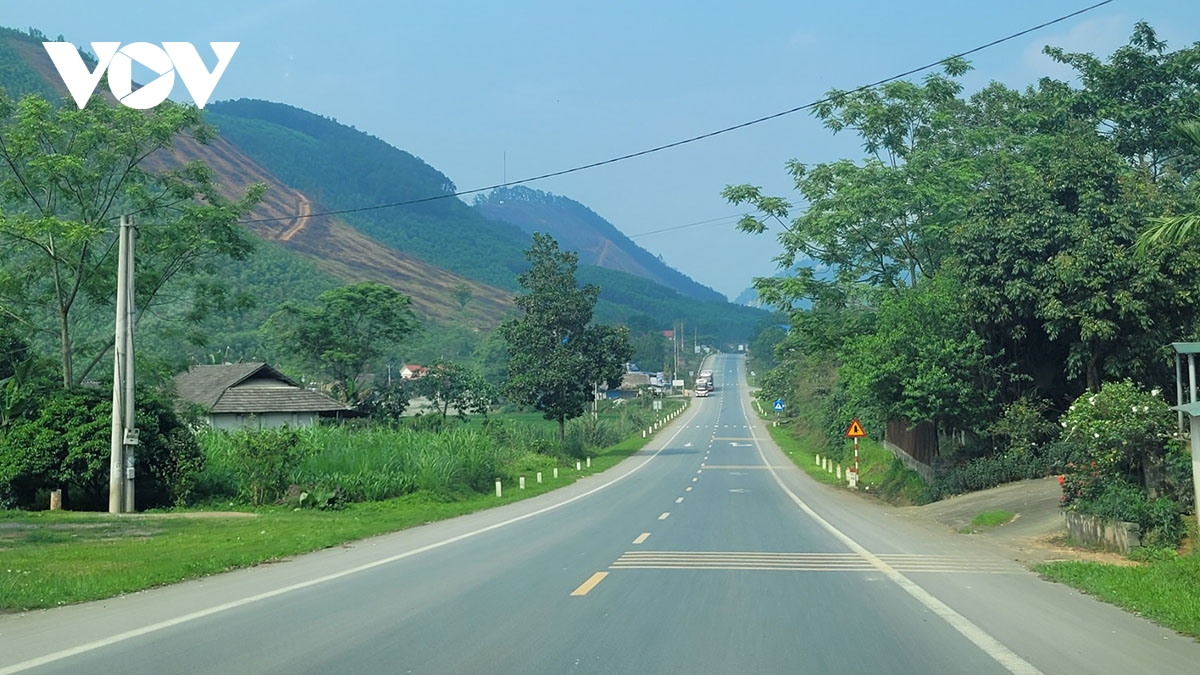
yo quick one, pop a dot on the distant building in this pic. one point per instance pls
(633, 381)
(412, 371)
(237, 395)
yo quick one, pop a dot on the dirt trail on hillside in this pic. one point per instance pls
(301, 219)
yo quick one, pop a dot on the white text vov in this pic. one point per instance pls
(171, 58)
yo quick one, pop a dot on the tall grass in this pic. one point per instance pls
(375, 463)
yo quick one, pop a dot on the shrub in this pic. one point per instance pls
(988, 471)
(1119, 434)
(1178, 484)
(63, 443)
(169, 458)
(386, 402)
(263, 459)
(1024, 425)
(1158, 519)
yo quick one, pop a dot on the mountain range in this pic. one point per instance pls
(388, 229)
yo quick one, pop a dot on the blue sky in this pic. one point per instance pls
(550, 85)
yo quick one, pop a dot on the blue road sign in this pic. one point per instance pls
(778, 405)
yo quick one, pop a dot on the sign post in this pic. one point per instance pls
(778, 409)
(856, 432)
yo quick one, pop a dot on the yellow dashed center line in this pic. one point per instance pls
(664, 515)
(679, 500)
(689, 489)
(642, 537)
(587, 586)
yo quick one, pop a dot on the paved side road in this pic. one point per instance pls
(1032, 536)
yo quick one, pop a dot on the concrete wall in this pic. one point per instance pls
(1110, 534)
(911, 462)
(229, 422)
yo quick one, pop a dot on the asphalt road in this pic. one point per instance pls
(706, 553)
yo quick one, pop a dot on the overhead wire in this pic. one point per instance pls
(710, 221)
(691, 139)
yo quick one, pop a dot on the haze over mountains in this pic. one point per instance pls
(578, 228)
(430, 250)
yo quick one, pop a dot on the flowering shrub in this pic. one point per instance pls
(1120, 439)
(1118, 429)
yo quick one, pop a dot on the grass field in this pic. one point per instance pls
(57, 558)
(1164, 586)
(1166, 590)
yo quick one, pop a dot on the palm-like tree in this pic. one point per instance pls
(1179, 228)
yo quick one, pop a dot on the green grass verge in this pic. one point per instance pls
(987, 519)
(992, 518)
(1164, 590)
(879, 471)
(58, 558)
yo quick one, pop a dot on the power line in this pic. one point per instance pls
(730, 217)
(710, 221)
(692, 139)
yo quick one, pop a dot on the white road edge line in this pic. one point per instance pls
(1006, 657)
(161, 625)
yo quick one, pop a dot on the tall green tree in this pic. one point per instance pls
(556, 355)
(66, 174)
(453, 385)
(1027, 202)
(882, 222)
(923, 361)
(1177, 228)
(346, 332)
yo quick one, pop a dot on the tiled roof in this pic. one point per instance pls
(248, 388)
(256, 399)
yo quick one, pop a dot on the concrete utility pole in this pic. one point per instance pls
(124, 431)
(1191, 408)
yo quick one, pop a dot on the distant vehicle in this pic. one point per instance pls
(707, 377)
(703, 386)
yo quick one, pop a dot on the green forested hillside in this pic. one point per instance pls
(17, 77)
(340, 167)
(578, 228)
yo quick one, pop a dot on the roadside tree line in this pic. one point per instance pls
(983, 272)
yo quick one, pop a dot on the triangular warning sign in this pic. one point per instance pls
(856, 430)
